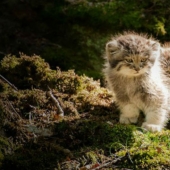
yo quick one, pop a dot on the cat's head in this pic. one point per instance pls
(132, 54)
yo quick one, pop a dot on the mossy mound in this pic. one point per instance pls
(54, 119)
(27, 72)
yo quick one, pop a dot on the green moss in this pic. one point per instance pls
(41, 155)
(9, 63)
(141, 150)
(67, 82)
(26, 72)
(149, 151)
(92, 156)
(76, 94)
(90, 124)
(3, 142)
(94, 134)
(4, 149)
(145, 150)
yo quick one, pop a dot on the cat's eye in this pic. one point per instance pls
(112, 51)
(128, 60)
(144, 59)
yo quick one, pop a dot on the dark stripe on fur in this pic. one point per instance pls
(114, 63)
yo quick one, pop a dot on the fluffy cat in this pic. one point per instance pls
(134, 74)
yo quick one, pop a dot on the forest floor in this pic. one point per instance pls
(58, 120)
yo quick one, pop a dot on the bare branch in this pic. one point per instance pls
(50, 94)
(16, 113)
(3, 78)
(112, 162)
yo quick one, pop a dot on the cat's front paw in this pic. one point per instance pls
(128, 120)
(152, 127)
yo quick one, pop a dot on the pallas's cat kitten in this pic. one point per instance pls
(134, 74)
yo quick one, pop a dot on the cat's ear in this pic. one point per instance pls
(111, 48)
(155, 45)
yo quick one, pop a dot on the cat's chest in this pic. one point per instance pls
(134, 87)
(131, 90)
(136, 93)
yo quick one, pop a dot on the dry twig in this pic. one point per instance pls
(50, 94)
(16, 113)
(112, 162)
(3, 78)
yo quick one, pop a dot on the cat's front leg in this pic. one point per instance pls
(155, 120)
(129, 114)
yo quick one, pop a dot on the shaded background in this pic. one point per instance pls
(72, 34)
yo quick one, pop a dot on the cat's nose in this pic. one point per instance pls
(137, 69)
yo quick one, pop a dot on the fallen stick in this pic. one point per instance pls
(3, 78)
(50, 94)
(112, 162)
(16, 113)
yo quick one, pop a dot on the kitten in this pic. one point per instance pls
(134, 74)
